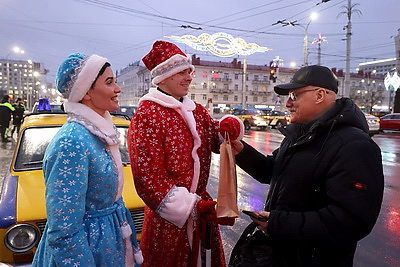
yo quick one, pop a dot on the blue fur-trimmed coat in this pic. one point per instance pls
(83, 227)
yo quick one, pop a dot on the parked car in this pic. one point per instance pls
(277, 118)
(22, 197)
(390, 122)
(373, 124)
(126, 110)
(43, 105)
(252, 117)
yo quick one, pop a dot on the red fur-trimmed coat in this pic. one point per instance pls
(170, 144)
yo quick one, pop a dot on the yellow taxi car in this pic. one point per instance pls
(277, 118)
(22, 197)
(261, 118)
(251, 117)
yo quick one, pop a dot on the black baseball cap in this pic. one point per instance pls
(319, 76)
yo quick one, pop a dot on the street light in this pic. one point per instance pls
(284, 22)
(313, 16)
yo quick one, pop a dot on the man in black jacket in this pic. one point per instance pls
(18, 115)
(326, 178)
(6, 110)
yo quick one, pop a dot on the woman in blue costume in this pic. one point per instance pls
(87, 221)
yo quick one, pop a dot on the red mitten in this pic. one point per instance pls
(231, 126)
(204, 207)
(222, 221)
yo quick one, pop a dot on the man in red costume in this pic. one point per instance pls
(170, 143)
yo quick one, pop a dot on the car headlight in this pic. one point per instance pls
(21, 237)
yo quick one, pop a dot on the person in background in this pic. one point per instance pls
(326, 178)
(87, 221)
(6, 110)
(170, 142)
(18, 115)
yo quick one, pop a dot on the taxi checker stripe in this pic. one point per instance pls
(8, 201)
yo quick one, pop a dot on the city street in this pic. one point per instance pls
(380, 248)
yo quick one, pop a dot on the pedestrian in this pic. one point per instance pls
(87, 221)
(170, 143)
(6, 110)
(326, 179)
(18, 115)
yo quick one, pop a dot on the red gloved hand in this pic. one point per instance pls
(231, 126)
(222, 221)
(205, 207)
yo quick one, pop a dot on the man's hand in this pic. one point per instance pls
(237, 146)
(262, 225)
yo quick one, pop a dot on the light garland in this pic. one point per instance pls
(220, 44)
(392, 80)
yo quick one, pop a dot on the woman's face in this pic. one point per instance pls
(103, 96)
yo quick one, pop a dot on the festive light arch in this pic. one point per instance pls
(220, 44)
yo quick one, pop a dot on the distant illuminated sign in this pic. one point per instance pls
(392, 80)
(220, 44)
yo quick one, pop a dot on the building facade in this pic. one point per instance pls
(381, 67)
(21, 78)
(128, 81)
(221, 86)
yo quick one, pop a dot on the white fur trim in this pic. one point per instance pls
(178, 206)
(167, 101)
(171, 66)
(86, 77)
(116, 156)
(138, 257)
(108, 133)
(185, 108)
(240, 122)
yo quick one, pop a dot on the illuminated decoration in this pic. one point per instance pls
(320, 40)
(277, 62)
(393, 81)
(220, 44)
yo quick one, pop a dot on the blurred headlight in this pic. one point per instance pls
(21, 237)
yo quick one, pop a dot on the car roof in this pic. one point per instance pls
(50, 119)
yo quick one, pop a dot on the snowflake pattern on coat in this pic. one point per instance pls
(160, 146)
(83, 228)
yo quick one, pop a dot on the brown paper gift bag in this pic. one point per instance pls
(227, 186)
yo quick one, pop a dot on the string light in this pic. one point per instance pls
(220, 44)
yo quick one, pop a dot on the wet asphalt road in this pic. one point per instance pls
(380, 248)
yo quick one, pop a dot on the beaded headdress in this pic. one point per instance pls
(76, 75)
(164, 60)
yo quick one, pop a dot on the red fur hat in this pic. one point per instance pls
(164, 60)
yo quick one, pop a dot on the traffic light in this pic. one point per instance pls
(272, 73)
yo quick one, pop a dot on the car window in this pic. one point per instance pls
(126, 110)
(396, 117)
(35, 140)
(387, 117)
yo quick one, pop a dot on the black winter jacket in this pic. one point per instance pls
(6, 110)
(326, 187)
